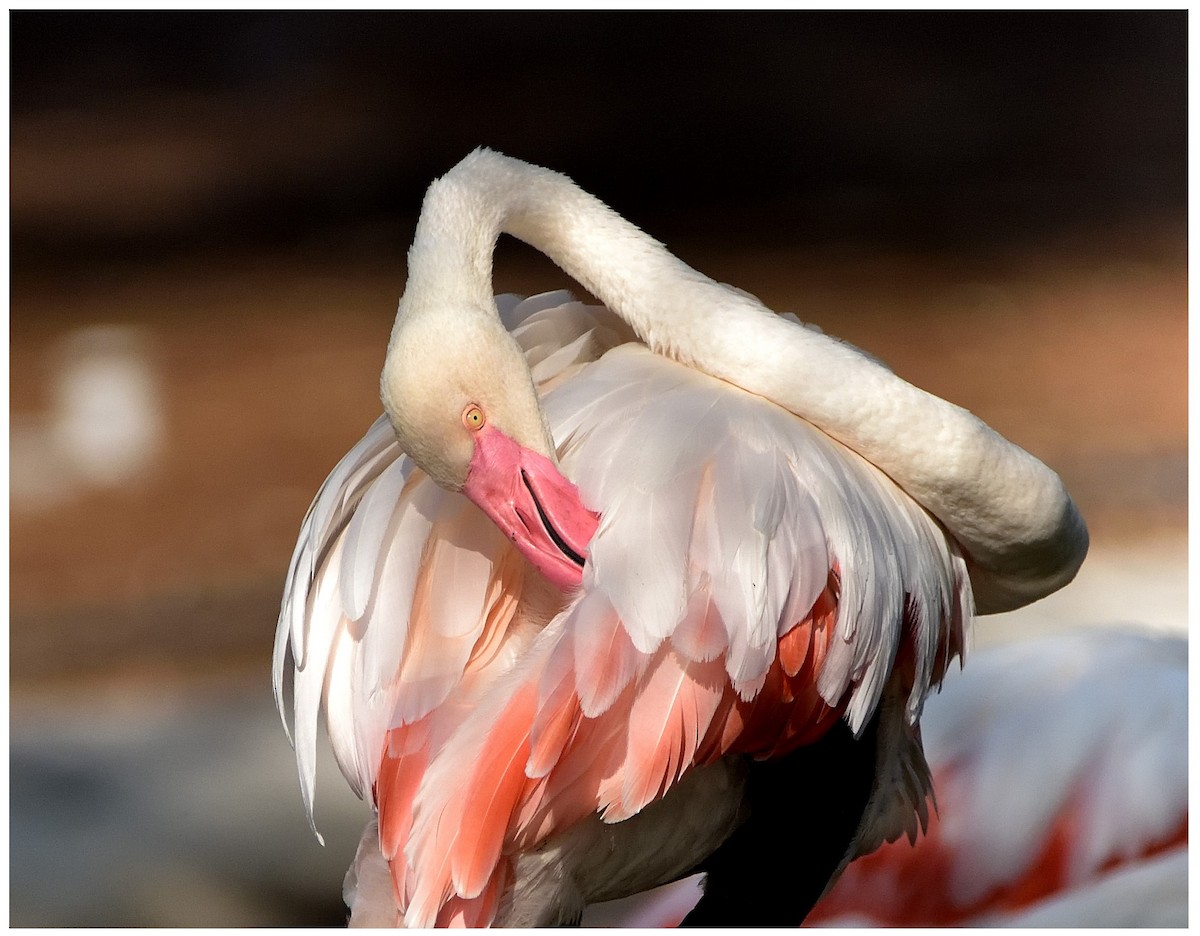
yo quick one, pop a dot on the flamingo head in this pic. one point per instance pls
(462, 402)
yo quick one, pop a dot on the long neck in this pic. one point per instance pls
(1020, 530)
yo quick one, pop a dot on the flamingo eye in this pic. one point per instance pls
(473, 418)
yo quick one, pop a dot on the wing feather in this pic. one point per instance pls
(326, 620)
(605, 657)
(365, 537)
(514, 310)
(669, 717)
(384, 640)
(328, 515)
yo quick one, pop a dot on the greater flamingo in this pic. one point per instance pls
(1061, 773)
(721, 629)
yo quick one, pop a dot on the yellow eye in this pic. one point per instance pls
(472, 417)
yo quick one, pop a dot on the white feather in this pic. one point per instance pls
(520, 308)
(361, 559)
(326, 619)
(328, 514)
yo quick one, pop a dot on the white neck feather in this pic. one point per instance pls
(1011, 514)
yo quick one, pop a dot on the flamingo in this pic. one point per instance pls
(1060, 765)
(613, 593)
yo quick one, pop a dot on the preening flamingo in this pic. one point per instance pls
(720, 629)
(1060, 769)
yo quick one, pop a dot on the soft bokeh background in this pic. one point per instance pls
(209, 213)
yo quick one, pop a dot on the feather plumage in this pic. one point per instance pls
(626, 722)
(667, 660)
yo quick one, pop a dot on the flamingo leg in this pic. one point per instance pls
(759, 877)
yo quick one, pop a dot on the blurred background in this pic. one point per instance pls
(209, 217)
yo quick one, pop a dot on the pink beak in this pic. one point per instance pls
(527, 497)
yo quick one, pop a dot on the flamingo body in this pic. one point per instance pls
(519, 714)
(596, 562)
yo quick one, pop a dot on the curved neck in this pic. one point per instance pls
(488, 194)
(1020, 530)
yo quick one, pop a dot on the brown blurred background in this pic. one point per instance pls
(209, 214)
